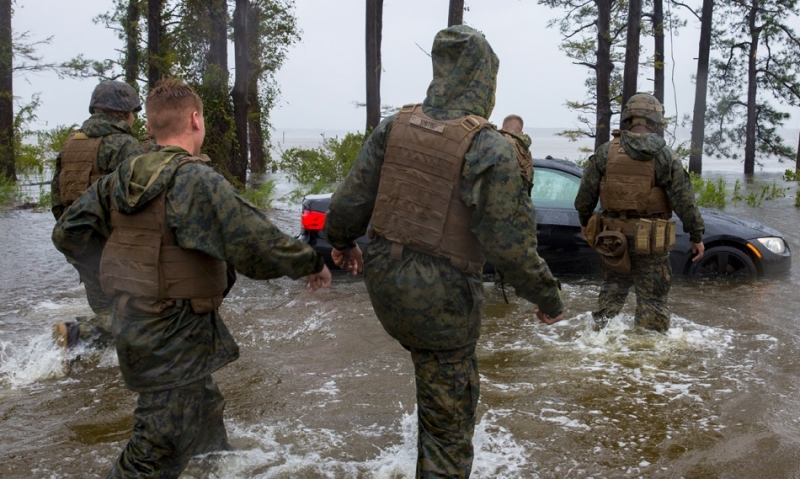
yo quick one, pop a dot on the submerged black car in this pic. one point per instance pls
(735, 247)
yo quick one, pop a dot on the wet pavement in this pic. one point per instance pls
(321, 391)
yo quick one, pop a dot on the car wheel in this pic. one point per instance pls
(724, 261)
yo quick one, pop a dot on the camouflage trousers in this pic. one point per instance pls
(447, 396)
(650, 276)
(98, 300)
(172, 426)
(92, 331)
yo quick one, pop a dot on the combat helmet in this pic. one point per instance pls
(114, 95)
(643, 109)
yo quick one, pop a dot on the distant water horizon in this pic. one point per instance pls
(546, 142)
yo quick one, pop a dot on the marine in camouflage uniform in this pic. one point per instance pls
(512, 130)
(650, 274)
(168, 356)
(432, 308)
(111, 108)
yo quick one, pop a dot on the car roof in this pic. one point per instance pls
(566, 166)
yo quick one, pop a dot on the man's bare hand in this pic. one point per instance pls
(355, 260)
(319, 280)
(698, 249)
(543, 318)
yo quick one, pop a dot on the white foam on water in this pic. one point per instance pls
(291, 450)
(29, 360)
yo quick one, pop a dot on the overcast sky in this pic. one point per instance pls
(324, 74)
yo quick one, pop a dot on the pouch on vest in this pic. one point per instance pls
(669, 244)
(642, 237)
(594, 226)
(613, 248)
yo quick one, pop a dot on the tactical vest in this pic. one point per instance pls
(629, 186)
(524, 158)
(418, 204)
(79, 168)
(143, 267)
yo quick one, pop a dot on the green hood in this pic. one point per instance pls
(144, 177)
(521, 138)
(642, 146)
(464, 72)
(101, 124)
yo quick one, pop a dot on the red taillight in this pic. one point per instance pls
(312, 220)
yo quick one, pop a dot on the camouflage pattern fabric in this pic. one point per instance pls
(448, 387)
(651, 274)
(669, 174)
(423, 301)
(206, 213)
(172, 426)
(522, 149)
(118, 145)
(95, 331)
(112, 95)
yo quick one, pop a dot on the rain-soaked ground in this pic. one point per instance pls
(320, 391)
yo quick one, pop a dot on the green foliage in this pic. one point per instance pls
(325, 165)
(737, 192)
(791, 175)
(797, 198)
(261, 196)
(9, 191)
(710, 193)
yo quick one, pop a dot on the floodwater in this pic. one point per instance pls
(321, 391)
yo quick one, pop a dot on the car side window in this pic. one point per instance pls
(554, 189)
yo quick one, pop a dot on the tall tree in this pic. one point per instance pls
(374, 27)
(658, 53)
(272, 29)
(155, 27)
(590, 31)
(240, 88)
(132, 44)
(701, 89)
(7, 162)
(758, 54)
(631, 76)
(455, 16)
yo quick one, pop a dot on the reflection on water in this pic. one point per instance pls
(321, 391)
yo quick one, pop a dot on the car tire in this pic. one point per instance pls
(725, 261)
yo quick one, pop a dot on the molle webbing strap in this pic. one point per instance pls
(79, 167)
(418, 203)
(628, 186)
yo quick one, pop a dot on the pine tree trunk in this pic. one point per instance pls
(240, 89)
(256, 143)
(456, 14)
(603, 69)
(373, 36)
(752, 90)
(658, 56)
(631, 75)
(154, 28)
(701, 90)
(132, 44)
(8, 169)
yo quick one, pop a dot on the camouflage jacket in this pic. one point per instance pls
(118, 145)
(669, 174)
(522, 149)
(205, 213)
(465, 70)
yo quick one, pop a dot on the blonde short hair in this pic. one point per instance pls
(511, 120)
(168, 105)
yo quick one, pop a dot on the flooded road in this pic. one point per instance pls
(321, 391)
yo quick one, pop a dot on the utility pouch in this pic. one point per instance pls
(593, 227)
(613, 246)
(642, 237)
(669, 235)
(658, 244)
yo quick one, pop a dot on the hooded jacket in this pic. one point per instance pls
(422, 301)
(118, 145)
(669, 174)
(205, 213)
